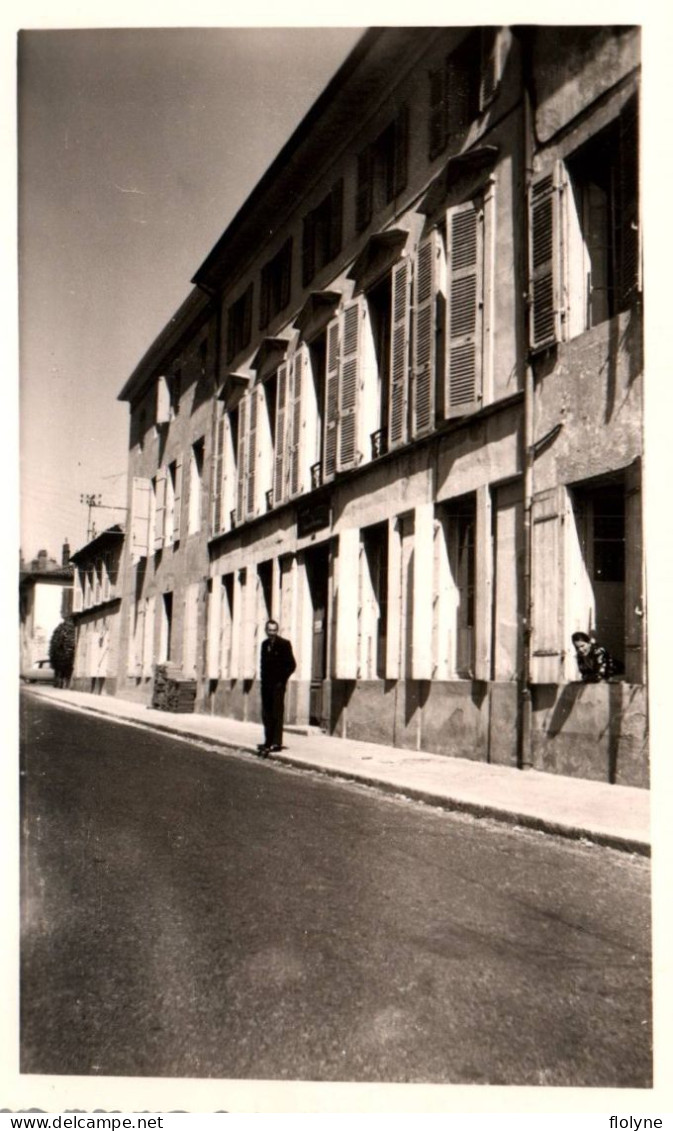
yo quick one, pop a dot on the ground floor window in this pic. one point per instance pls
(455, 572)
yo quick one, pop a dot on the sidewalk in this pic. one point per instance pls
(612, 815)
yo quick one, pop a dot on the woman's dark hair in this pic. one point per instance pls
(580, 636)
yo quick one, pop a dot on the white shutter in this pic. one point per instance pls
(279, 455)
(241, 458)
(248, 659)
(464, 344)
(148, 637)
(346, 664)
(423, 590)
(163, 405)
(546, 302)
(177, 499)
(160, 508)
(190, 629)
(77, 592)
(251, 478)
(348, 454)
(424, 336)
(216, 517)
(295, 432)
(140, 514)
(394, 600)
(331, 400)
(547, 586)
(399, 355)
(214, 628)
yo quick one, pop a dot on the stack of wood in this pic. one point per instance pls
(172, 690)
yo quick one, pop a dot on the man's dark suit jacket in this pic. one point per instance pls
(278, 662)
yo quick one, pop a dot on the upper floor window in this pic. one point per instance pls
(584, 255)
(322, 235)
(239, 324)
(462, 87)
(175, 388)
(276, 284)
(382, 169)
(195, 487)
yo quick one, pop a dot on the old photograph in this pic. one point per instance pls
(335, 757)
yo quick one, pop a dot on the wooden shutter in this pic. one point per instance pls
(629, 280)
(77, 592)
(160, 508)
(349, 382)
(365, 189)
(140, 514)
(424, 351)
(399, 356)
(545, 260)
(394, 626)
(308, 249)
(346, 657)
(247, 657)
(437, 114)
(296, 484)
(177, 499)
(465, 256)
(336, 218)
(241, 458)
(218, 455)
(423, 591)
(331, 400)
(148, 637)
(401, 163)
(280, 452)
(547, 645)
(251, 479)
(163, 404)
(213, 628)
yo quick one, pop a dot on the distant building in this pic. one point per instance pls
(96, 612)
(401, 412)
(45, 599)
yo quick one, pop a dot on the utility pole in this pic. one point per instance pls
(92, 501)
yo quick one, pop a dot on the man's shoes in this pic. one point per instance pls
(263, 751)
(274, 749)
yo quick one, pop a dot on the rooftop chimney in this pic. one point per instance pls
(65, 553)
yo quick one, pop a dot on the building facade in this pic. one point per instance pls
(45, 599)
(96, 612)
(401, 412)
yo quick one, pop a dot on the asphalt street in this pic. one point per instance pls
(192, 912)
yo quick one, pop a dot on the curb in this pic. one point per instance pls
(479, 810)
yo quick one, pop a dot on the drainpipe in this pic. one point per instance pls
(525, 755)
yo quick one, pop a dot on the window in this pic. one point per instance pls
(600, 529)
(276, 284)
(374, 608)
(584, 256)
(456, 575)
(166, 628)
(459, 88)
(379, 302)
(224, 471)
(382, 169)
(322, 233)
(175, 393)
(195, 487)
(239, 324)
(173, 502)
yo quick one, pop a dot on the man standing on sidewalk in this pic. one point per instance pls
(276, 667)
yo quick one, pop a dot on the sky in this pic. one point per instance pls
(135, 149)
